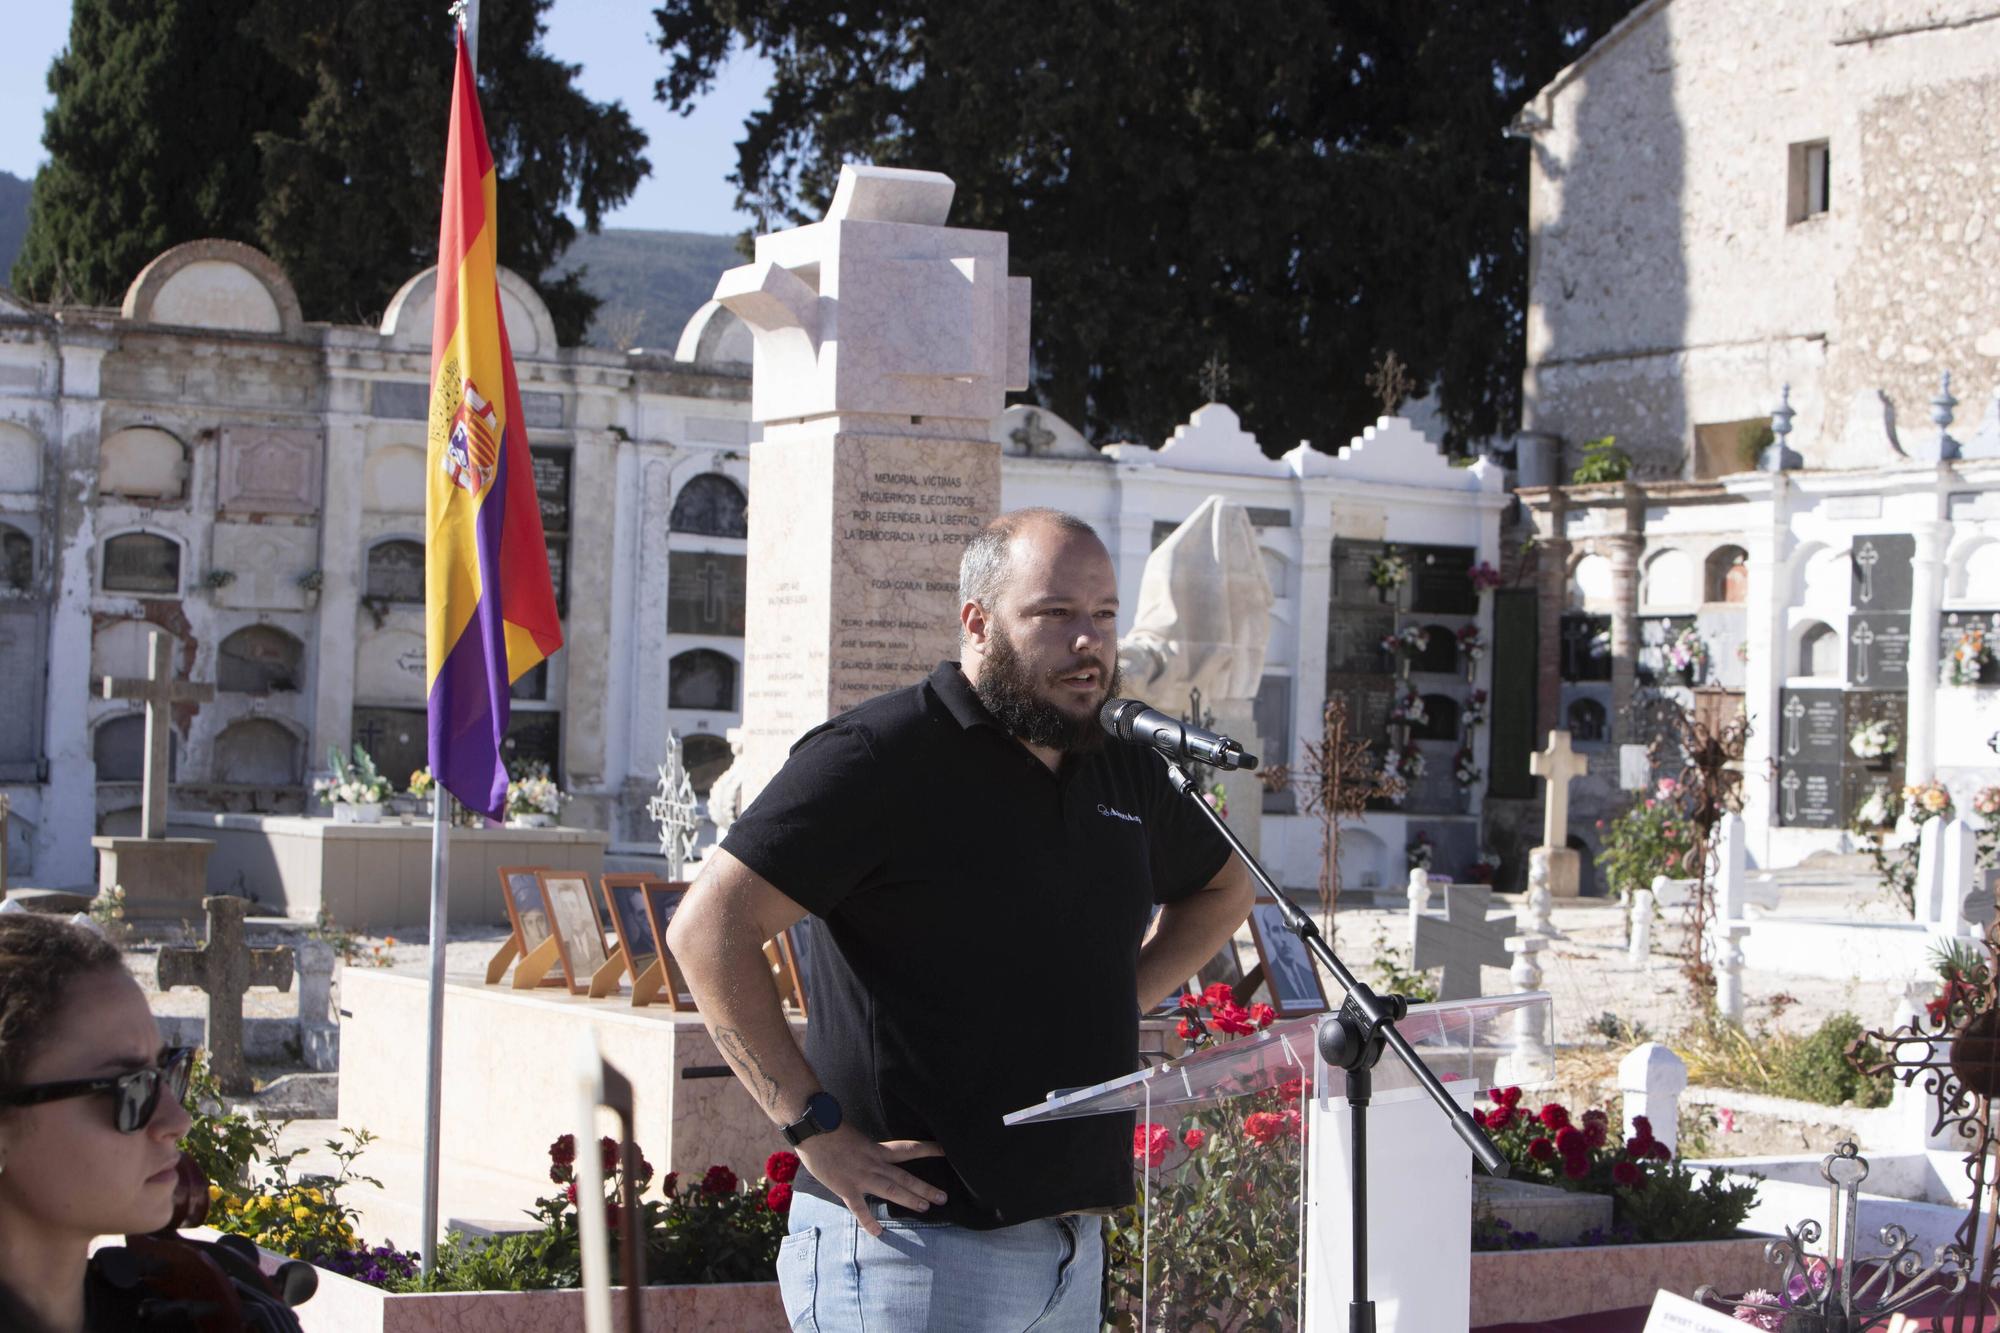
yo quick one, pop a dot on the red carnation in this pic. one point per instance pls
(1570, 1141)
(1189, 1000)
(563, 1151)
(1479, 1117)
(670, 1184)
(1188, 1031)
(1554, 1116)
(1150, 1143)
(1576, 1167)
(1661, 1152)
(1295, 1125)
(1194, 1138)
(607, 1152)
(778, 1198)
(1642, 1128)
(1232, 1019)
(1218, 994)
(1263, 1126)
(569, 1192)
(1263, 1015)
(1292, 1089)
(719, 1180)
(1626, 1174)
(1508, 1096)
(1541, 1150)
(781, 1166)
(1500, 1117)
(1638, 1148)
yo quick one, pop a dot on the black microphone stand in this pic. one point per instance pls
(1354, 1041)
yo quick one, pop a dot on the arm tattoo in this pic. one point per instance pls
(751, 1070)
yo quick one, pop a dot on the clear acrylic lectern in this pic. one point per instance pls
(1420, 1192)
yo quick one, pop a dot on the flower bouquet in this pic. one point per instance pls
(1484, 577)
(1463, 771)
(1475, 709)
(1687, 654)
(1418, 855)
(1924, 801)
(1986, 802)
(1879, 811)
(1967, 662)
(1408, 710)
(1410, 763)
(533, 799)
(1873, 740)
(1485, 868)
(354, 788)
(1388, 572)
(1390, 785)
(1471, 646)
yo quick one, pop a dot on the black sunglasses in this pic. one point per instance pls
(136, 1095)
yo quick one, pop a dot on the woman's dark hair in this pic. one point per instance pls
(39, 957)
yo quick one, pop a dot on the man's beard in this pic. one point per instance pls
(1011, 693)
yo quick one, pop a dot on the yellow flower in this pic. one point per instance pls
(301, 1213)
(315, 1196)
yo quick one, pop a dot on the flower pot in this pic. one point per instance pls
(531, 821)
(347, 812)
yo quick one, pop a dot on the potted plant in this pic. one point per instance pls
(354, 789)
(533, 799)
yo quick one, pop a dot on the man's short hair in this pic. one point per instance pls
(982, 570)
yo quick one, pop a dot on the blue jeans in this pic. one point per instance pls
(1046, 1275)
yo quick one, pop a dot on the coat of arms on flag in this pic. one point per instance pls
(473, 446)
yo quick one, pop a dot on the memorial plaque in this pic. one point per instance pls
(397, 739)
(705, 593)
(552, 487)
(534, 738)
(1811, 795)
(401, 401)
(1878, 650)
(1369, 699)
(1880, 567)
(1439, 580)
(1354, 640)
(1353, 570)
(1437, 791)
(1812, 727)
(542, 410)
(1858, 784)
(142, 562)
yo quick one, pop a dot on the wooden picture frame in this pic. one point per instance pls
(663, 899)
(1287, 966)
(579, 931)
(531, 940)
(794, 965)
(625, 907)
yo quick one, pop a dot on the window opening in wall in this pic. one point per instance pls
(17, 559)
(1585, 649)
(1726, 447)
(706, 756)
(1586, 720)
(1809, 185)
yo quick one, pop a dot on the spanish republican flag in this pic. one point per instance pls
(489, 606)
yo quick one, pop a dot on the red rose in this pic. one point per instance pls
(1479, 1117)
(1554, 1116)
(1500, 1117)
(778, 1198)
(570, 1192)
(1188, 1031)
(1189, 1000)
(1626, 1174)
(1642, 1127)
(642, 1170)
(1217, 995)
(1508, 1096)
(1194, 1138)
(1541, 1150)
(1233, 1020)
(1570, 1141)
(1150, 1143)
(563, 1151)
(670, 1184)
(781, 1166)
(1576, 1167)
(1636, 1149)
(1263, 1015)
(607, 1152)
(1295, 1125)
(1263, 1126)
(1661, 1152)
(1292, 1089)
(612, 1217)
(719, 1180)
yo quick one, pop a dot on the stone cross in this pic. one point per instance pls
(1556, 765)
(1031, 434)
(226, 968)
(1462, 941)
(161, 692)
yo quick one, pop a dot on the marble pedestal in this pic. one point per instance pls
(509, 1091)
(1562, 868)
(164, 879)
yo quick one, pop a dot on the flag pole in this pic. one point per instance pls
(441, 814)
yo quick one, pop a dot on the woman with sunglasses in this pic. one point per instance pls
(90, 1119)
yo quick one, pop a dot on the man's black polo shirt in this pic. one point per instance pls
(985, 916)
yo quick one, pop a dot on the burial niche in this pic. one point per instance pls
(1440, 719)
(396, 571)
(1669, 580)
(702, 678)
(144, 462)
(1819, 652)
(17, 559)
(1728, 575)
(119, 747)
(1440, 652)
(1590, 583)
(257, 752)
(1586, 720)
(705, 593)
(705, 756)
(142, 562)
(711, 506)
(260, 659)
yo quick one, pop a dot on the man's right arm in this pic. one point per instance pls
(717, 938)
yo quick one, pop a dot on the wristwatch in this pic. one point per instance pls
(822, 1117)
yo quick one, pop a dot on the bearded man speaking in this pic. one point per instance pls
(978, 867)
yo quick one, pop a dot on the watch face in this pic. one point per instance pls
(825, 1111)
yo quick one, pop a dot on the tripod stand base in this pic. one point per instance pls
(1419, 1211)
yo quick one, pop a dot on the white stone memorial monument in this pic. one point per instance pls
(1560, 866)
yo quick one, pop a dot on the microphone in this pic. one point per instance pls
(1132, 720)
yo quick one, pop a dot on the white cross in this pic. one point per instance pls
(673, 810)
(1462, 941)
(1791, 784)
(1863, 636)
(160, 691)
(1795, 708)
(1556, 765)
(1865, 558)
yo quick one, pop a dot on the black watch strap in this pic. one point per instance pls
(822, 1115)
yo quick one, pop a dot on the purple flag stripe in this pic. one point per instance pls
(470, 700)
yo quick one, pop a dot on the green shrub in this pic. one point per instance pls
(1813, 1067)
(1602, 460)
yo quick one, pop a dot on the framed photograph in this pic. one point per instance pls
(794, 963)
(572, 912)
(522, 891)
(663, 899)
(625, 902)
(1288, 969)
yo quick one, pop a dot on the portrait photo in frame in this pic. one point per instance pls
(625, 901)
(579, 931)
(1289, 973)
(795, 963)
(663, 899)
(521, 891)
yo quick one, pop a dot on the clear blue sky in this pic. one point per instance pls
(611, 39)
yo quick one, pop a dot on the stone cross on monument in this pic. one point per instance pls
(1462, 941)
(162, 877)
(225, 968)
(160, 691)
(1555, 860)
